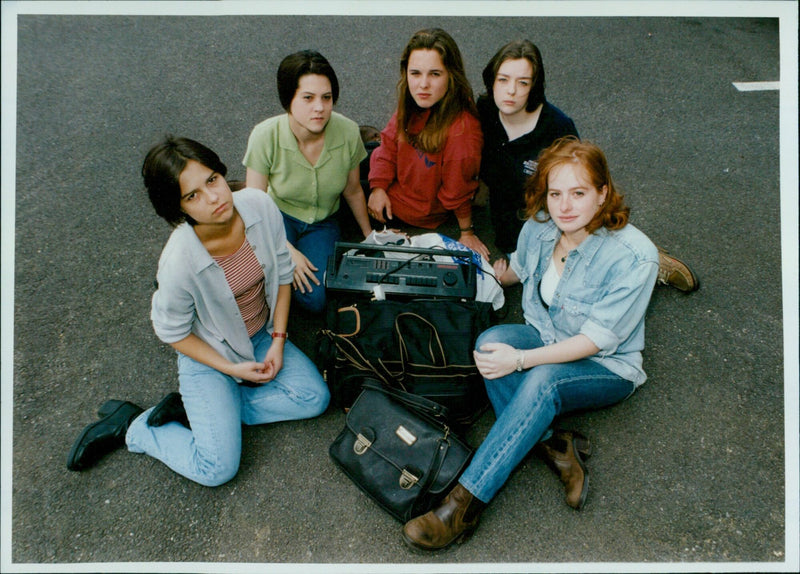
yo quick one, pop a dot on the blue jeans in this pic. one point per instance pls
(316, 242)
(526, 403)
(217, 407)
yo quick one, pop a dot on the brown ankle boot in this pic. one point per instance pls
(563, 453)
(455, 520)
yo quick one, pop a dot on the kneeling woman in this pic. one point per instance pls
(224, 287)
(307, 160)
(587, 276)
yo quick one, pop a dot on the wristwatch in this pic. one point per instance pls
(520, 360)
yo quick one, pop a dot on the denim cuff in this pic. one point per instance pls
(603, 338)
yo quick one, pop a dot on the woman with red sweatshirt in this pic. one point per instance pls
(429, 159)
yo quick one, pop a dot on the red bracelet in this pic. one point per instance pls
(277, 335)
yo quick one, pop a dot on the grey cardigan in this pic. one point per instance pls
(193, 295)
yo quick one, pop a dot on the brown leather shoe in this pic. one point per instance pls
(675, 273)
(454, 521)
(563, 452)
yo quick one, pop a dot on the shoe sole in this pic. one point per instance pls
(576, 440)
(581, 445)
(460, 539)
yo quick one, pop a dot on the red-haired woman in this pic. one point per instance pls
(587, 276)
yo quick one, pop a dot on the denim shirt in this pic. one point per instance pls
(193, 295)
(603, 291)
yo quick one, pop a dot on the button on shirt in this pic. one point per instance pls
(309, 193)
(603, 292)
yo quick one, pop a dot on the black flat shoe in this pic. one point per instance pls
(170, 409)
(109, 407)
(103, 436)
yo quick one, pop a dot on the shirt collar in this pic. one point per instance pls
(250, 217)
(588, 247)
(286, 139)
(198, 255)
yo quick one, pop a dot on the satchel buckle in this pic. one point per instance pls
(361, 445)
(407, 480)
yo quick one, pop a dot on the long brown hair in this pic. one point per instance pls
(457, 98)
(613, 214)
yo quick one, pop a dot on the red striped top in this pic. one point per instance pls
(246, 280)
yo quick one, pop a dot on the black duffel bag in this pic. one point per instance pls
(422, 346)
(397, 450)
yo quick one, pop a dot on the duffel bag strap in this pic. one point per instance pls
(356, 313)
(353, 354)
(427, 330)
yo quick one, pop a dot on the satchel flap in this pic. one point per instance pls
(405, 463)
(364, 440)
(409, 478)
(399, 437)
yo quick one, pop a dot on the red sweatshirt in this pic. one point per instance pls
(424, 187)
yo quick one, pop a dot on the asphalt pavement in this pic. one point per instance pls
(690, 473)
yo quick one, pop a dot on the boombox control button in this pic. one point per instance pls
(450, 278)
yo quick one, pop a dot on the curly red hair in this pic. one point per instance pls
(613, 214)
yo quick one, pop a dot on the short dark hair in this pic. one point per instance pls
(295, 66)
(162, 169)
(518, 50)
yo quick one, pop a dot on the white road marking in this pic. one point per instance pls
(756, 86)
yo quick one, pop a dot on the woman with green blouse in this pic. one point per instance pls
(306, 160)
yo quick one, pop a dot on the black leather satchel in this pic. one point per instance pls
(395, 448)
